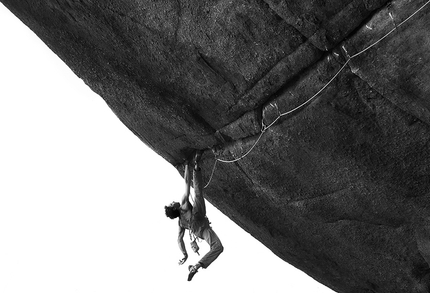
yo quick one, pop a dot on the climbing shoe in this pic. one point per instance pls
(193, 271)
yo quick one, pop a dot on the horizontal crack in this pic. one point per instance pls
(361, 221)
(283, 71)
(380, 91)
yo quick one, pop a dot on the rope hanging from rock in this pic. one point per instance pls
(264, 127)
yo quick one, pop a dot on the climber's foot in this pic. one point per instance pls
(193, 271)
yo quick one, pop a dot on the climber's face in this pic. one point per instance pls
(175, 205)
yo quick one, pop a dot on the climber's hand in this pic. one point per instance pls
(182, 261)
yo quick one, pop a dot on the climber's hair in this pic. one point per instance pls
(171, 213)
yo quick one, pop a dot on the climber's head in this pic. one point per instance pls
(172, 210)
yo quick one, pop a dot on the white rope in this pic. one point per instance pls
(212, 174)
(235, 160)
(391, 31)
(315, 95)
(264, 128)
(243, 156)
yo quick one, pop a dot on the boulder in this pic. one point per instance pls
(316, 113)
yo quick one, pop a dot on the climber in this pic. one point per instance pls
(193, 218)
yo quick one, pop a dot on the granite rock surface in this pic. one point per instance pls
(338, 183)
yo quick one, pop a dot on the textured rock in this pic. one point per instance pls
(339, 187)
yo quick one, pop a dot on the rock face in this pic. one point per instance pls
(339, 186)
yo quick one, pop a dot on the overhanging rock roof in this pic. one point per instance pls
(339, 184)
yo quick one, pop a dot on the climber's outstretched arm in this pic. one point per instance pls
(199, 201)
(182, 245)
(185, 201)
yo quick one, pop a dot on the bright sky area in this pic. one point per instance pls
(82, 199)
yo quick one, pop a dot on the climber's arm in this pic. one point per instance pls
(182, 245)
(185, 202)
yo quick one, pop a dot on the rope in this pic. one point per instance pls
(243, 156)
(264, 128)
(232, 161)
(212, 174)
(311, 98)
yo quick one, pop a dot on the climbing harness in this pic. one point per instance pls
(264, 127)
(193, 243)
(193, 237)
(187, 223)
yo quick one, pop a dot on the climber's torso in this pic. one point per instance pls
(194, 222)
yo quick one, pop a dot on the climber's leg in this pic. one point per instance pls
(215, 245)
(216, 249)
